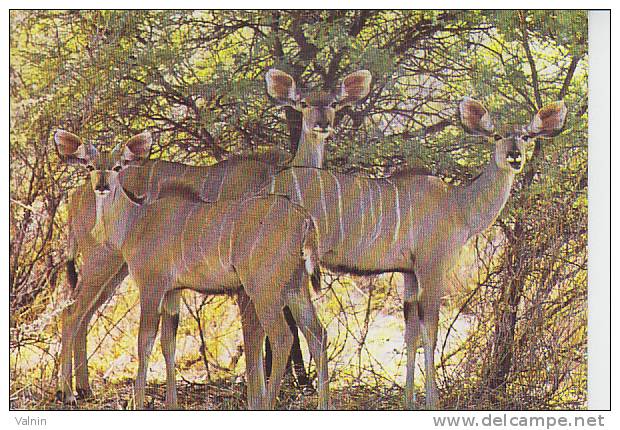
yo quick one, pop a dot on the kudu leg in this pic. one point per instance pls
(253, 336)
(65, 391)
(429, 339)
(295, 361)
(302, 309)
(430, 300)
(412, 334)
(169, 325)
(80, 359)
(73, 316)
(296, 358)
(149, 323)
(275, 326)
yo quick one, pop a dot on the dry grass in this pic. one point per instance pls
(220, 395)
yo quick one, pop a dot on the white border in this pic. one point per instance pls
(599, 211)
(599, 222)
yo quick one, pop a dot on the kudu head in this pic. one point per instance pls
(104, 166)
(510, 141)
(318, 108)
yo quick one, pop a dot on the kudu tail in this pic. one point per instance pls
(310, 254)
(315, 279)
(72, 276)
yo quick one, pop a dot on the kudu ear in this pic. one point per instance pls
(354, 87)
(549, 120)
(475, 118)
(281, 86)
(71, 148)
(137, 148)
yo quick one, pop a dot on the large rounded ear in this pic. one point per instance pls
(354, 87)
(549, 120)
(137, 149)
(475, 118)
(71, 148)
(281, 86)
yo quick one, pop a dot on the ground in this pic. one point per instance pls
(224, 395)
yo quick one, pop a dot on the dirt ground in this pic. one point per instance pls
(223, 395)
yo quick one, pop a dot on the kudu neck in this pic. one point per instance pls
(309, 150)
(117, 212)
(482, 200)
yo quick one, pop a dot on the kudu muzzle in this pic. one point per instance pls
(514, 157)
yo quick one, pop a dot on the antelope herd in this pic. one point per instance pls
(261, 225)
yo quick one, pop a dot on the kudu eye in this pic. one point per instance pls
(90, 168)
(334, 105)
(303, 104)
(117, 168)
(498, 137)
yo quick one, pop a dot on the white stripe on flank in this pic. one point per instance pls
(219, 190)
(230, 240)
(380, 217)
(300, 200)
(199, 241)
(205, 183)
(359, 183)
(323, 203)
(206, 220)
(410, 218)
(259, 234)
(219, 243)
(185, 169)
(273, 185)
(183, 234)
(339, 191)
(373, 221)
(397, 227)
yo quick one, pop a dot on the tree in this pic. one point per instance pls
(196, 79)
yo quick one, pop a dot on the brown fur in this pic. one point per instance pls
(274, 156)
(181, 190)
(412, 171)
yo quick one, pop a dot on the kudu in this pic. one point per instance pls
(414, 224)
(318, 110)
(179, 241)
(103, 269)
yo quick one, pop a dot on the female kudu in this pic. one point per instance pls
(414, 224)
(257, 244)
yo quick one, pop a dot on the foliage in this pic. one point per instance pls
(513, 332)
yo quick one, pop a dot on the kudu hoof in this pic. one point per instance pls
(66, 399)
(432, 405)
(308, 390)
(149, 404)
(84, 393)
